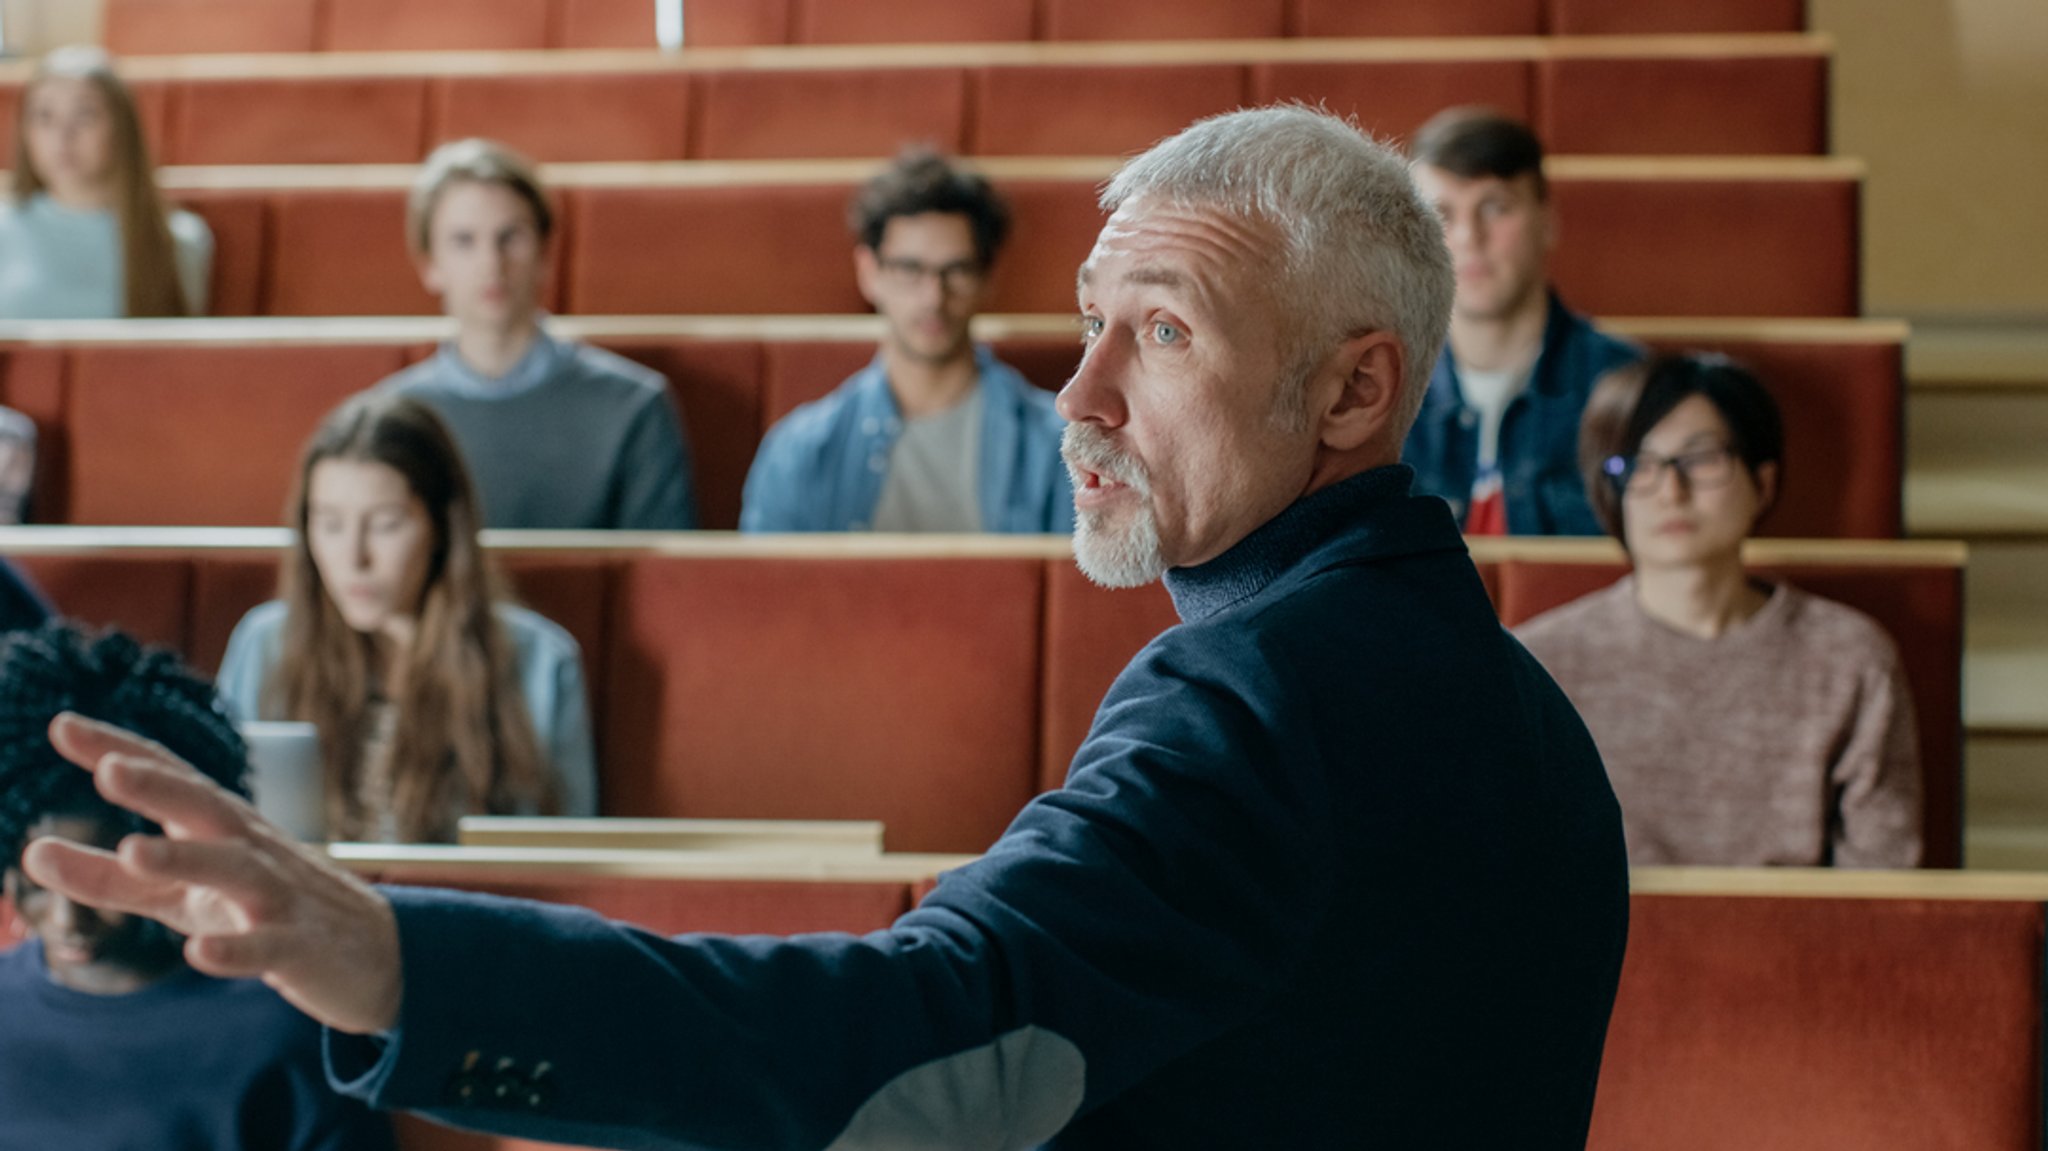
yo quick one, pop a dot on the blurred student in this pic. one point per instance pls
(936, 434)
(435, 697)
(86, 235)
(559, 435)
(21, 603)
(1499, 430)
(1742, 722)
(109, 1040)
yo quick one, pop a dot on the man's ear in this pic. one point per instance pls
(866, 270)
(423, 263)
(1766, 489)
(1371, 377)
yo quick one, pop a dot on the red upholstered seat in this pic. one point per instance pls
(1635, 17)
(1047, 361)
(1708, 247)
(240, 223)
(1694, 106)
(144, 596)
(342, 253)
(1095, 110)
(299, 120)
(1406, 18)
(1392, 98)
(912, 21)
(1090, 634)
(405, 25)
(706, 23)
(1921, 607)
(1783, 1024)
(799, 371)
(751, 678)
(32, 383)
(180, 27)
(574, 591)
(1053, 227)
(226, 426)
(710, 250)
(717, 387)
(564, 118)
(828, 112)
(1164, 19)
(224, 588)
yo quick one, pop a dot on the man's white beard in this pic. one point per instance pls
(1115, 557)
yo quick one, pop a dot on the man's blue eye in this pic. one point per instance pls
(1165, 333)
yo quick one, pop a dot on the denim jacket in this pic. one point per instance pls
(821, 467)
(1539, 435)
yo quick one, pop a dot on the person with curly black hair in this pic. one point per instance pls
(111, 1040)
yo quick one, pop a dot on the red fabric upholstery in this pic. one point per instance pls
(1405, 18)
(1774, 1024)
(1844, 410)
(1634, 17)
(1712, 105)
(750, 678)
(827, 112)
(624, 116)
(299, 120)
(799, 371)
(717, 385)
(1392, 98)
(1048, 363)
(1920, 607)
(235, 445)
(1708, 247)
(713, 251)
(342, 253)
(181, 27)
(706, 23)
(142, 595)
(1095, 110)
(574, 591)
(405, 25)
(1090, 634)
(911, 21)
(1165, 19)
(224, 588)
(1053, 228)
(240, 223)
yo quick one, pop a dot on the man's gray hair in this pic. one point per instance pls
(1363, 251)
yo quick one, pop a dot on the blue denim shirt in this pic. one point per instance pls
(821, 467)
(1539, 435)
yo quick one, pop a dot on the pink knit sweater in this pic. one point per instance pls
(1787, 740)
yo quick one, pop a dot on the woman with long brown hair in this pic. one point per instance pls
(433, 695)
(86, 234)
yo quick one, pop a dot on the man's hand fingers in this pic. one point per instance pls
(232, 873)
(170, 792)
(249, 955)
(85, 741)
(98, 879)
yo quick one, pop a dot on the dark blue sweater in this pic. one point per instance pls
(22, 607)
(186, 1064)
(1337, 866)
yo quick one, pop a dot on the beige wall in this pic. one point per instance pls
(1947, 100)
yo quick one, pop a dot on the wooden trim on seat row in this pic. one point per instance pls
(757, 836)
(1016, 54)
(64, 539)
(324, 330)
(750, 173)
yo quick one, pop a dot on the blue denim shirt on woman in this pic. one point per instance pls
(821, 467)
(1539, 435)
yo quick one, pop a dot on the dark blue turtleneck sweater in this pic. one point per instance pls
(1337, 866)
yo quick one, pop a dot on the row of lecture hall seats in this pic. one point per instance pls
(933, 684)
(136, 27)
(1676, 237)
(1753, 96)
(1773, 1011)
(116, 415)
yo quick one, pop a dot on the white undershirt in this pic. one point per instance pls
(1489, 394)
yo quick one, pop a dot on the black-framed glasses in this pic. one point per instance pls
(907, 274)
(1700, 469)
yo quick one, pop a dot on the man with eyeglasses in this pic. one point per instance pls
(935, 434)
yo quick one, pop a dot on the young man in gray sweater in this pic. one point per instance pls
(557, 434)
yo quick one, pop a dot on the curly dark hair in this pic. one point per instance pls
(919, 181)
(106, 675)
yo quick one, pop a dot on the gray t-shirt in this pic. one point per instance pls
(572, 438)
(59, 263)
(931, 485)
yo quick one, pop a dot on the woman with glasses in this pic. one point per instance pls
(1742, 722)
